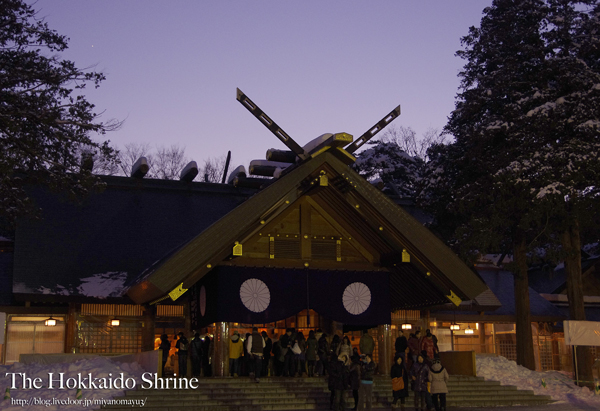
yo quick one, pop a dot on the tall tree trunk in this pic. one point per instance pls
(571, 244)
(523, 322)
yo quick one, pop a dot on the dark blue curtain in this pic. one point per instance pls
(263, 295)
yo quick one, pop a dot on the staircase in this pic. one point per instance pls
(278, 394)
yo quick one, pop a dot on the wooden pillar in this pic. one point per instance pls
(148, 322)
(71, 330)
(482, 338)
(220, 359)
(385, 348)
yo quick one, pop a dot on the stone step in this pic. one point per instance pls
(282, 394)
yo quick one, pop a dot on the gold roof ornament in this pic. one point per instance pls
(177, 292)
(455, 299)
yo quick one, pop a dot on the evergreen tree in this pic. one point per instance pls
(561, 167)
(505, 60)
(45, 121)
(397, 169)
(526, 129)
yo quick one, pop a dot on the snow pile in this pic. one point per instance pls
(46, 399)
(558, 386)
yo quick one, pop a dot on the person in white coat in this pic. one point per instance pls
(438, 376)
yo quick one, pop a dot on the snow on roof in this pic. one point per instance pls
(269, 163)
(101, 285)
(110, 284)
(316, 141)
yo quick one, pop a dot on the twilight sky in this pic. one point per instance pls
(314, 67)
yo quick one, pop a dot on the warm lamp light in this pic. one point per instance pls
(114, 322)
(454, 327)
(50, 322)
(468, 330)
(407, 326)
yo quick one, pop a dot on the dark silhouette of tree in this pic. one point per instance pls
(44, 117)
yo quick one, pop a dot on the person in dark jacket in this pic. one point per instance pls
(354, 369)
(277, 357)
(365, 392)
(255, 346)
(400, 372)
(285, 343)
(196, 355)
(323, 353)
(312, 346)
(267, 354)
(206, 352)
(355, 357)
(401, 345)
(182, 353)
(165, 347)
(419, 375)
(338, 383)
(333, 346)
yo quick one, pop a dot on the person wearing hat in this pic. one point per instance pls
(236, 349)
(182, 352)
(438, 376)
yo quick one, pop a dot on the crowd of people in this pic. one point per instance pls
(416, 363)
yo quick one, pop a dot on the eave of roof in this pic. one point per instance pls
(394, 225)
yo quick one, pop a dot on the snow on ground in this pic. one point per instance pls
(560, 387)
(46, 399)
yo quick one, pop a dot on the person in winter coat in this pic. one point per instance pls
(323, 354)
(354, 369)
(182, 352)
(355, 355)
(267, 367)
(338, 383)
(236, 350)
(196, 355)
(401, 345)
(399, 375)
(428, 345)
(311, 352)
(438, 376)
(413, 345)
(165, 347)
(207, 350)
(345, 347)
(255, 346)
(246, 358)
(286, 342)
(365, 392)
(333, 346)
(277, 357)
(300, 358)
(366, 344)
(419, 375)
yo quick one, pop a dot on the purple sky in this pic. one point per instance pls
(314, 67)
